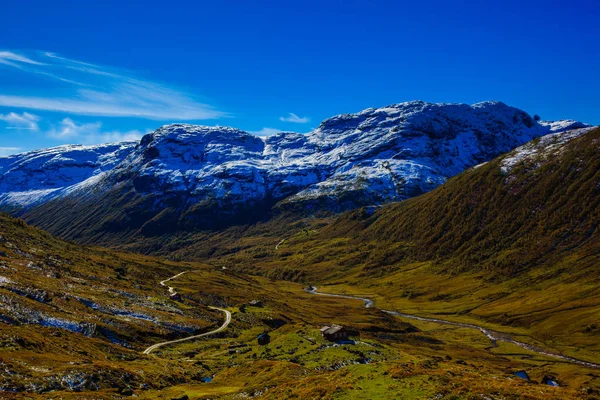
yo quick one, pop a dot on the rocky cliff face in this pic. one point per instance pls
(371, 157)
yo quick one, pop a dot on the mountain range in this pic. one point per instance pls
(189, 178)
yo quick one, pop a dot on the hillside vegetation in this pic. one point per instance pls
(517, 248)
(74, 321)
(503, 223)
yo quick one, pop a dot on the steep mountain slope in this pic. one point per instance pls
(535, 205)
(397, 152)
(36, 176)
(189, 178)
(514, 242)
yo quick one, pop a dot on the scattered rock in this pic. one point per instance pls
(522, 374)
(550, 380)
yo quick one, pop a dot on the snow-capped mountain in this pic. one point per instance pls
(400, 151)
(29, 178)
(371, 157)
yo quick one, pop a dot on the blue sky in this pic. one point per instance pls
(97, 71)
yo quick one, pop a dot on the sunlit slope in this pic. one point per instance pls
(77, 318)
(511, 243)
(503, 217)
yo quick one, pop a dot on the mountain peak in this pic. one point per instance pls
(182, 132)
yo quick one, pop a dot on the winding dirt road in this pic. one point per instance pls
(172, 289)
(280, 243)
(219, 329)
(492, 335)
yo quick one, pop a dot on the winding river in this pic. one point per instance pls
(492, 335)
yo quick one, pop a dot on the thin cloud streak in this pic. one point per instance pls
(295, 119)
(87, 106)
(7, 151)
(102, 91)
(10, 56)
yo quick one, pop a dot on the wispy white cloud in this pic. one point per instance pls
(266, 132)
(13, 59)
(69, 129)
(25, 121)
(49, 54)
(118, 136)
(90, 133)
(291, 117)
(6, 151)
(100, 91)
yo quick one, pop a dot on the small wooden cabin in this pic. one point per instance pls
(334, 333)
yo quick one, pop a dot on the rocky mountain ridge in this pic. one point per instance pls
(371, 157)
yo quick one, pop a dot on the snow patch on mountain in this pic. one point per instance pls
(26, 198)
(399, 151)
(540, 149)
(39, 175)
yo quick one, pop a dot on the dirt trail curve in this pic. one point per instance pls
(492, 335)
(172, 289)
(219, 329)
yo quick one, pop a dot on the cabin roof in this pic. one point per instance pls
(330, 330)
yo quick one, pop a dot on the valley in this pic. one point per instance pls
(480, 283)
(299, 200)
(493, 336)
(392, 358)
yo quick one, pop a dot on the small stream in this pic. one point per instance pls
(492, 335)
